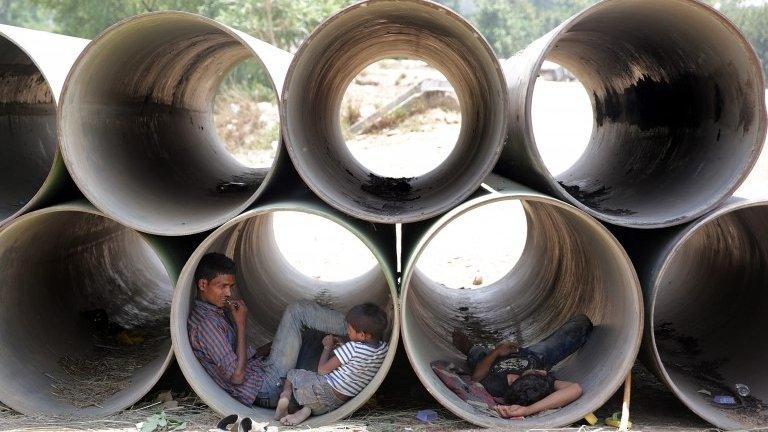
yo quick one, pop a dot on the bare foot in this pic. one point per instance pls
(282, 407)
(296, 418)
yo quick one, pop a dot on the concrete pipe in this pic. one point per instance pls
(268, 282)
(344, 45)
(84, 315)
(33, 66)
(704, 286)
(570, 264)
(136, 124)
(677, 95)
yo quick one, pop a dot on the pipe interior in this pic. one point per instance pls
(27, 129)
(140, 137)
(268, 283)
(569, 266)
(344, 46)
(708, 315)
(678, 109)
(87, 300)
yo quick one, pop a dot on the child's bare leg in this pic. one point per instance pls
(285, 399)
(297, 417)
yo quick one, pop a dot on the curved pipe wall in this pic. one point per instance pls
(704, 285)
(33, 66)
(136, 124)
(570, 264)
(344, 45)
(62, 264)
(679, 111)
(269, 283)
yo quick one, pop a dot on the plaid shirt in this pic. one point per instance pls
(213, 340)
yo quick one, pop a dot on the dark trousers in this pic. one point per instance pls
(564, 341)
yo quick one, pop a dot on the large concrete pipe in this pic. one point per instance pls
(344, 45)
(679, 114)
(705, 299)
(136, 124)
(570, 264)
(269, 282)
(84, 312)
(33, 66)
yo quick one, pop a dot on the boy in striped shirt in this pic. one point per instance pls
(342, 372)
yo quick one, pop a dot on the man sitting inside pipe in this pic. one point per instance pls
(342, 372)
(521, 376)
(217, 335)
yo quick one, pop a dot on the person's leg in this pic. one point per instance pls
(297, 317)
(285, 399)
(563, 342)
(297, 417)
(476, 354)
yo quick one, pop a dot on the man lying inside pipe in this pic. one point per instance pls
(521, 376)
(217, 335)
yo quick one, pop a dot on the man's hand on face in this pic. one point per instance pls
(239, 311)
(505, 348)
(510, 411)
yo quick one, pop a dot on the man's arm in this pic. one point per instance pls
(565, 393)
(239, 314)
(328, 362)
(483, 368)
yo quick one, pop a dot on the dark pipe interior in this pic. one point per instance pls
(678, 109)
(27, 129)
(709, 315)
(80, 290)
(140, 135)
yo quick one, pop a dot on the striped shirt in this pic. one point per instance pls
(359, 363)
(213, 340)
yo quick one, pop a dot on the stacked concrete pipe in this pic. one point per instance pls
(705, 297)
(571, 264)
(136, 124)
(269, 283)
(59, 262)
(341, 47)
(34, 66)
(679, 111)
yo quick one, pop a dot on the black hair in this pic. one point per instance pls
(368, 318)
(214, 264)
(529, 389)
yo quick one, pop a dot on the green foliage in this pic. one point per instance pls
(753, 22)
(160, 423)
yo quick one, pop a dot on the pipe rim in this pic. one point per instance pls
(717, 199)
(68, 157)
(87, 208)
(359, 211)
(434, 229)
(680, 240)
(191, 367)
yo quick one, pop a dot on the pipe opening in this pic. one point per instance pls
(27, 129)
(708, 320)
(85, 319)
(342, 47)
(471, 252)
(569, 265)
(559, 98)
(246, 115)
(268, 280)
(400, 118)
(679, 117)
(138, 131)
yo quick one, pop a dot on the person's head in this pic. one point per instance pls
(529, 389)
(366, 323)
(215, 278)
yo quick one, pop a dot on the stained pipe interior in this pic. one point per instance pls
(679, 116)
(268, 283)
(137, 129)
(708, 315)
(343, 46)
(570, 265)
(61, 265)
